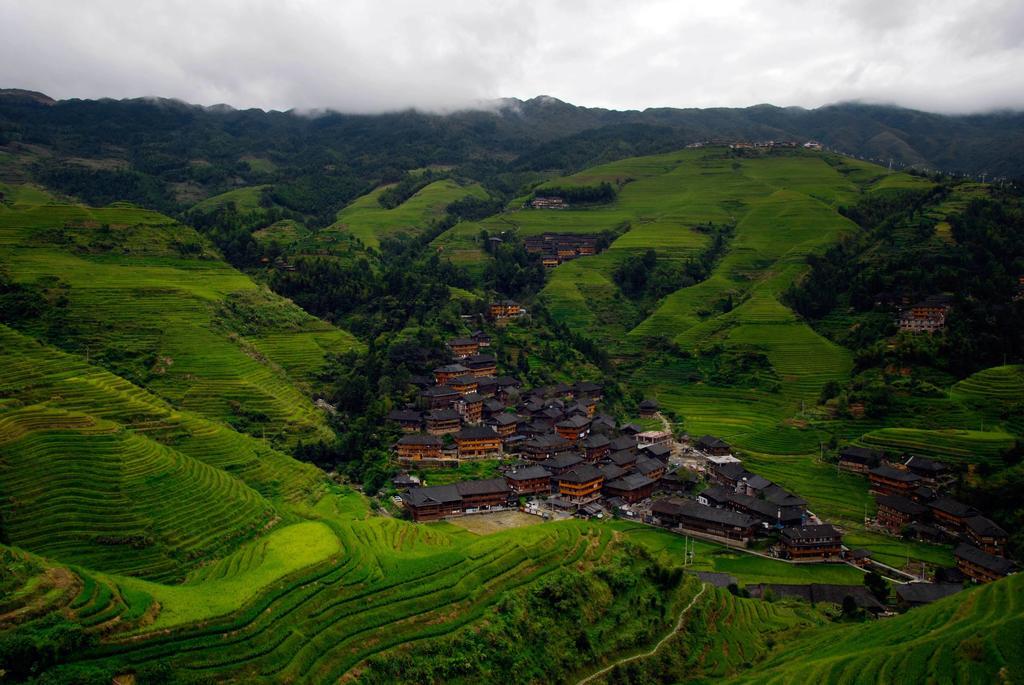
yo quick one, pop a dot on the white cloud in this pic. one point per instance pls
(368, 56)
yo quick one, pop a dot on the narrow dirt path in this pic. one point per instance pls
(654, 650)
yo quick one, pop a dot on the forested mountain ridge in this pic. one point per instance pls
(168, 154)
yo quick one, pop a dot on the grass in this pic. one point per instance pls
(186, 326)
(233, 581)
(951, 445)
(365, 219)
(966, 638)
(246, 199)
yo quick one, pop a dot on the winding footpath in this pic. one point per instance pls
(654, 650)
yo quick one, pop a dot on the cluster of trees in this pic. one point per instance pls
(231, 231)
(602, 193)
(407, 186)
(646, 277)
(901, 255)
(549, 630)
(513, 272)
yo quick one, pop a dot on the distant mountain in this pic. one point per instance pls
(167, 154)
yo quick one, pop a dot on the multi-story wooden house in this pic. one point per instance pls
(463, 347)
(951, 515)
(443, 421)
(417, 446)
(986, 535)
(474, 442)
(817, 542)
(981, 566)
(885, 480)
(580, 484)
(691, 517)
(443, 374)
(574, 428)
(529, 480)
(411, 421)
(896, 512)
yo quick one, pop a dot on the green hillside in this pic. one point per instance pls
(968, 638)
(148, 299)
(368, 221)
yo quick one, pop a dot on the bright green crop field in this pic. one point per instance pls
(365, 219)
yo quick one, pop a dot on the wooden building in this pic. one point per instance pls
(986, 535)
(648, 408)
(632, 487)
(709, 444)
(505, 309)
(417, 446)
(463, 347)
(859, 459)
(471, 407)
(484, 494)
(652, 468)
(443, 374)
(409, 420)
(896, 512)
(580, 484)
(689, 516)
(474, 442)
(443, 421)
(541, 447)
(464, 384)
(932, 472)
(433, 503)
(574, 428)
(981, 566)
(481, 365)
(885, 480)
(562, 462)
(812, 543)
(505, 424)
(596, 447)
(529, 480)
(950, 514)
(438, 397)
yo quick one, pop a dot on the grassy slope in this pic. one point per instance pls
(968, 638)
(365, 219)
(246, 199)
(190, 328)
(99, 472)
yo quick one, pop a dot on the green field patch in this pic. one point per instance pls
(245, 199)
(218, 590)
(951, 445)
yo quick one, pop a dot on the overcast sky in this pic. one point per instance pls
(367, 56)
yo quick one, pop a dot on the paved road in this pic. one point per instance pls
(654, 650)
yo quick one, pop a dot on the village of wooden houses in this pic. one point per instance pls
(562, 457)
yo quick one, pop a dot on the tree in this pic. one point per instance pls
(850, 608)
(877, 586)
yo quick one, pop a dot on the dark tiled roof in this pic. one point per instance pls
(798, 533)
(581, 474)
(925, 593)
(461, 342)
(921, 465)
(902, 505)
(974, 555)
(778, 495)
(529, 473)
(404, 415)
(756, 482)
(717, 493)
(646, 466)
(420, 439)
(624, 442)
(695, 510)
(611, 471)
(596, 440)
(506, 419)
(451, 368)
(439, 391)
(860, 455)
(711, 442)
(476, 433)
(632, 428)
(472, 398)
(633, 481)
(575, 422)
(436, 494)
(487, 486)
(623, 457)
(890, 473)
(563, 460)
(950, 506)
(660, 450)
(733, 471)
(464, 380)
(649, 404)
(984, 527)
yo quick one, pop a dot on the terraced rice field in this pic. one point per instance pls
(951, 445)
(365, 219)
(145, 312)
(972, 638)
